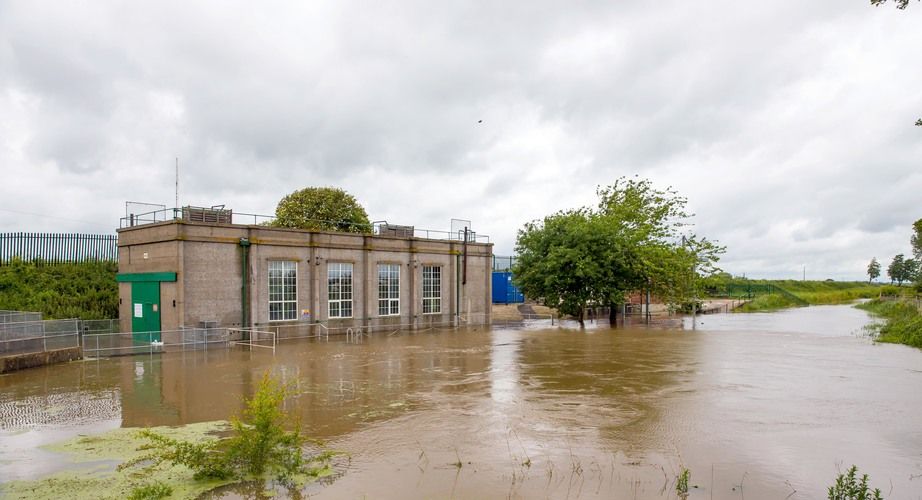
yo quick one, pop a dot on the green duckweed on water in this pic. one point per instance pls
(95, 459)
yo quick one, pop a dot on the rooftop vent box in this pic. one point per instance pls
(395, 230)
(215, 215)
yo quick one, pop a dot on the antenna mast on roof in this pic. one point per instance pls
(176, 205)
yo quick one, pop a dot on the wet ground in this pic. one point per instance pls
(754, 405)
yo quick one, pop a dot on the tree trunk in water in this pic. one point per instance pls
(612, 315)
(582, 312)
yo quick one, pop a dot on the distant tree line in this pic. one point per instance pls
(902, 270)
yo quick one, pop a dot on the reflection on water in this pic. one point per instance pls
(765, 405)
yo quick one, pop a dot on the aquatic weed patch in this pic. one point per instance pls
(94, 474)
(259, 446)
(184, 462)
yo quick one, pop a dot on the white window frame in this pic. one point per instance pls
(388, 289)
(339, 289)
(432, 289)
(286, 293)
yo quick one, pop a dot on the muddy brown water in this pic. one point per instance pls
(755, 406)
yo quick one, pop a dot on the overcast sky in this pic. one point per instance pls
(787, 124)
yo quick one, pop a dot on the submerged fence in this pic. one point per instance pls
(26, 332)
(27, 337)
(56, 248)
(105, 344)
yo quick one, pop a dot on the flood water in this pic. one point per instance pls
(754, 405)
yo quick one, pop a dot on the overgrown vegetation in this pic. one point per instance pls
(681, 483)
(850, 487)
(85, 290)
(152, 491)
(258, 447)
(902, 325)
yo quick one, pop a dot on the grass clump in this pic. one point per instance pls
(681, 483)
(153, 491)
(850, 487)
(902, 325)
(259, 446)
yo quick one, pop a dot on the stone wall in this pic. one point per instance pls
(22, 361)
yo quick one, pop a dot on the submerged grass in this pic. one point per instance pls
(902, 325)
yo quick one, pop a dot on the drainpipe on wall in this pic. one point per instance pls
(457, 290)
(244, 283)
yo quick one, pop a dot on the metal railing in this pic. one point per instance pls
(181, 213)
(252, 337)
(57, 248)
(100, 345)
(503, 262)
(29, 337)
(245, 219)
(18, 316)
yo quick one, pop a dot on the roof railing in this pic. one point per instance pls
(220, 215)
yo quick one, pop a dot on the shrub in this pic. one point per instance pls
(258, 447)
(681, 484)
(890, 291)
(849, 487)
(85, 290)
(154, 491)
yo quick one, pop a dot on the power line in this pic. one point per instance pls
(50, 217)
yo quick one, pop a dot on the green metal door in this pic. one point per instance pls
(145, 310)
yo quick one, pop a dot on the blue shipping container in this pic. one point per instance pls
(504, 292)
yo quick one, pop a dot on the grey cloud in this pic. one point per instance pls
(787, 124)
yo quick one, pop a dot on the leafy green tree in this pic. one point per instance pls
(910, 270)
(648, 221)
(321, 209)
(896, 270)
(630, 242)
(916, 239)
(873, 270)
(900, 4)
(556, 261)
